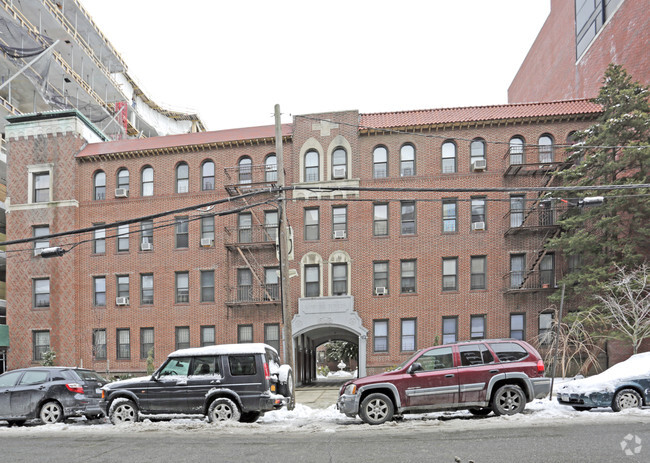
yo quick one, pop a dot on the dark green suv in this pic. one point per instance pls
(238, 382)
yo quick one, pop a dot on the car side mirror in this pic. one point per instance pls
(414, 367)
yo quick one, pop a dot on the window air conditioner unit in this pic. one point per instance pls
(146, 246)
(339, 172)
(478, 226)
(338, 234)
(479, 164)
(121, 301)
(206, 242)
(121, 193)
(381, 291)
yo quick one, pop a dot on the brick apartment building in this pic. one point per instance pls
(579, 39)
(391, 271)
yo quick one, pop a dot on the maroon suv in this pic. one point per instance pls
(499, 375)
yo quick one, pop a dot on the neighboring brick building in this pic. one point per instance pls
(392, 271)
(576, 44)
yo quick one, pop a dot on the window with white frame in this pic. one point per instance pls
(207, 228)
(340, 221)
(339, 163)
(123, 286)
(450, 274)
(380, 220)
(312, 166)
(380, 162)
(339, 279)
(182, 287)
(476, 152)
(449, 157)
(41, 187)
(407, 160)
(380, 277)
(380, 335)
(478, 214)
(312, 224)
(147, 181)
(408, 334)
(477, 327)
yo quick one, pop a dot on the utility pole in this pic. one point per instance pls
(283, 254)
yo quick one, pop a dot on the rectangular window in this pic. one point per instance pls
(408, 276)
(207, 336)
(517, 323)
(575, 263)
(123, 238)
(478, 214)
(40, 344)
(312, 227)
(478, 272)
(123, 286)
(207, 285)
(380, 220)
(146, 342)
(450, 274)
(182, 287)
(516, 211)
(244, 284)
(272, 335)
(517, 270)
(146, 288)
(99, 344)
(182, 337)
(99, 291)
(408, 334)
(449, 216)
(182, 232)
(123, 336)
(339, 279)
(99, 241)
(207, 228)
(244, 333)
(340, 221)
(41, 292)
(546, 328)
(477, 327)
(380, 278)
(41, 182)
(37, 232)
(270, 225)
(380, 335)
(547, 271)
(449, 329)
(146, 233)
(272, 283)
(245, 227)
(408, 218)
(312, 281)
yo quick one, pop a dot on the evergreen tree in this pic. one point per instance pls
(613, 151)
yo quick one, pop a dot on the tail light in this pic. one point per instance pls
(540, 366)
(267, 372)
(75, 387)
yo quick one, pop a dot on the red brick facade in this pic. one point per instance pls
(552, 71)
(72, 315)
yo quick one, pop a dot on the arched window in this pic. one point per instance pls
(271, 168)
(407, 160)
(207, 176)
(380, 162)
(182, 178)
(245, 170)
(100, 185)
(339, 163)
(516, 150)
(448, 157)
(545, 147)
(477, 153)
(147, 181)
(123, 179)
(312, 166)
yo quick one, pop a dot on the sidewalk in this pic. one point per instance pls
(318, 395)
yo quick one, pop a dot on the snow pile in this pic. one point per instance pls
(339, 375)
(636, 366)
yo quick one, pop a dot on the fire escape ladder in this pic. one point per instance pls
(540, 255)
(254, 266)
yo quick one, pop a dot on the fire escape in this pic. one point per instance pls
(253, 268)
(532, 221)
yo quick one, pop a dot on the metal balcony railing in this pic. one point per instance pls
(529, 281)
(246, 178)
(533, 160)
(261, 235)
(254, 294)
(542, 215)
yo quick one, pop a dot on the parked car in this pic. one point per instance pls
(49, 394)
(625, 385)
(238, 382)
(485, 376)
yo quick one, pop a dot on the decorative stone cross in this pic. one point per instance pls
(324, 127)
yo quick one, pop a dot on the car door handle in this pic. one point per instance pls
(216, 381)
(449, 375)
(494, 371)
(181, 383)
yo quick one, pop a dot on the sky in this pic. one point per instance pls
(232, 61)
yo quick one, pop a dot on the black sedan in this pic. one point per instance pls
(625, 385)
(49, 394)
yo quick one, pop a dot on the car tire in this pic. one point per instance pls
(250, 417)
(223, 409)
(626, 398)
(287, 390)
(376, 409)
(581, 409)
(480, 411)
(124, 412)
(51, 412)
(508, 400)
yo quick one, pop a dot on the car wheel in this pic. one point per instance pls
(51, 412)
(124, 412)
(508, 400)
(223, 409)
(626, 398)
(249, 417)
(376, 408)
(480, 411)
(581, 409)
(287, 390)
